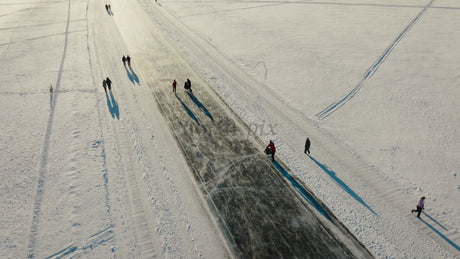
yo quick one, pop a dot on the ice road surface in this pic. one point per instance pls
(374, 85)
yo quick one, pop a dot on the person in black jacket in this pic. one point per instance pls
(109, 83)
(307, 146)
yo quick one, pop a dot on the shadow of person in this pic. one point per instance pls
(135, 77)
(303, 191)
(112, 105)
(449, 241)
(200, 105)
(131, 75)
(189, 112)
(340, 183)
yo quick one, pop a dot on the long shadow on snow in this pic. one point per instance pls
(189, 112)
(112, 105)
(200, 105)
(450, 242)
(131, 75)
(303, 192)
(340, 183)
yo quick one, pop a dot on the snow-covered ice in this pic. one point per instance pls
(373, 84)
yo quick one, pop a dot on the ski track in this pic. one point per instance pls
(372, 69)
(255, 103)
(44, 161)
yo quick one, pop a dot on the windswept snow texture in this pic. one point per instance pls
(134, 173)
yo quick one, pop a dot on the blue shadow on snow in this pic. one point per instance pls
(303, 192)
(435, 221)
(200, 105)
(340, 183)
(131, 75)
(450, 242)
(113, 106)
(189, 112)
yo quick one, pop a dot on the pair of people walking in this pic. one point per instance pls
(107, 83)
(126, 59)
(187, 85)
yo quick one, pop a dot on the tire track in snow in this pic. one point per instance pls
(326, 112)
(44, 161)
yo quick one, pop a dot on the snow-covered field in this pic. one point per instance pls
(373, 84)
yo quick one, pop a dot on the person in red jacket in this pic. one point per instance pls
(174, 84)
(271, 149)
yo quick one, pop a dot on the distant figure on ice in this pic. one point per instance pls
(128, 59)
(124, 60)
(271, 149)
(188, 85)
(106, 7)
(109, 83)
(174, 84)
(104, 84)
(307, 146)
(420, 206)
(51, 88)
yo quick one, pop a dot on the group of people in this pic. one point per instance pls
(187, 85)
(270, 149)
(126, 59)
(107, 83)
(108, 7)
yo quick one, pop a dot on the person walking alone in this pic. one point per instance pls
(307, 146)
(174, 84)
(420, 206)
(271, 149)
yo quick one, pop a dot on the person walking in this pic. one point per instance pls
(104, 84)
(109, 83)
(271, 149)
(174, 84)
(128, 59)
(307, 146)
(420, 206)
(188, 85)
(124, 60)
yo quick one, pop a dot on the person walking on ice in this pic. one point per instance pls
(188, 85)
(271, 149)
(174, 84)
(128, 59)
(109, 83)
(124, 60)
(307, 146)
(420, 206)
(104, 84)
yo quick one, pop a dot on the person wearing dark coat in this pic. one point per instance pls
(104, 84)
(271, 149)
(420, 206)
(109, 83)
(174, 84)
(128, 59)
(307, 146)
(188, 85)
(124, 60)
